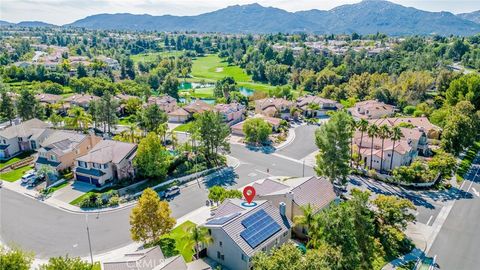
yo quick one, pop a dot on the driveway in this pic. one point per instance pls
(72, 191)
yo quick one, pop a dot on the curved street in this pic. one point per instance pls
(49, 231)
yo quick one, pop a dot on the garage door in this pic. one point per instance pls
(83, 178)
(95, 182)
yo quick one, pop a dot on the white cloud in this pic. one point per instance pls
(66, 11)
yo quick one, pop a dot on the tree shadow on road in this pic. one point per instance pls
(224, 177)
(268, 149)
(448, 195)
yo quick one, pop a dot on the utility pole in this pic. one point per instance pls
(89, 242)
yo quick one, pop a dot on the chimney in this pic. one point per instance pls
(283, 209)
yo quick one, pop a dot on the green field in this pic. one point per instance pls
(184, 127)
(198, 93)
(178, 234)
(213, 68)
(150, 57)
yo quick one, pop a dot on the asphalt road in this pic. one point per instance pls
(458, 242)
(304, 143)
(49, 231)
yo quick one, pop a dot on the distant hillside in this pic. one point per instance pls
(369, 16)
(35, 24)
(472, 16)
(366, 17)
(2, 23)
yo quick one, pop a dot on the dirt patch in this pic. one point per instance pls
(219, 69)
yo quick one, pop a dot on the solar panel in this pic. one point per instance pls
(222, 220)
(259, 227)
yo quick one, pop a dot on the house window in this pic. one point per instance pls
(244, 258)
(20, 139)
(96, 165)
(220, 243)
(220, 256)
(33, 144)
(82, 164)
(105, 166)
(53, 157)
(285, 234)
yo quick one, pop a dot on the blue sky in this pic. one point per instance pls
(67, 11)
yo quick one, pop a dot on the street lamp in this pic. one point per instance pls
(89, 242)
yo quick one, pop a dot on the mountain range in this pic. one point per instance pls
(366, 17)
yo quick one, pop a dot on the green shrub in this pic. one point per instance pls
(114, 201)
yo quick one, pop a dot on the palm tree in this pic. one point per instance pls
(162, 131)
(372, 133)
(363, 127)
(307, 219)
(396, 134)
(353, 126)
(195, 236)
(78, 118)
(384, 133)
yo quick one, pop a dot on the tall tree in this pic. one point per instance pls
(26, 105)
(78, 118)
(372, 133)
(197, 236)
(363, 127)
(150, 218)
(213, 133)
(170, 86)
(333, 139)
(151, 118)
(384, 133)
(152, 159)
(396, 134)
(256, 130)
(7, 109)
(307, 219)
(461, 127)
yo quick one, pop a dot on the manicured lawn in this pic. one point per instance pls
(15, 175)
(77, 201)
(178, 235)
(213, 68)
(467, 161)
(150, 57)
(206, 92)
(53, 189)
(184, 127)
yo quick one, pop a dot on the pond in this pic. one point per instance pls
(246, 91)
(206, 100)
(190, 85)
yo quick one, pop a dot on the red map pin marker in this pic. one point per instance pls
(249, 193)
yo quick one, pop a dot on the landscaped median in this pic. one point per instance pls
(467, 161)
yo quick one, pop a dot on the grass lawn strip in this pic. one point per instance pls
(14, 159)
(14, 175)
(467, 161)
(184, 127)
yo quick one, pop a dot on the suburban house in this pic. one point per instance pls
(406, 149)
(48, 98)
(371, 109)
(107, 161)
(198, 106)
(237, 129)
(165, 102)
(274, 107)
(232, 113)
(24, 136)
(315, 106)
(60, 149)
(82, 100)
(146, 259)
(421, 123)
(239, 230)
(179, 115)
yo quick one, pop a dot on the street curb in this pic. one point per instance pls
(288, 142)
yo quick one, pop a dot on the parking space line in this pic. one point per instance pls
(461, 186)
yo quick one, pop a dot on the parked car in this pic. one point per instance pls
(171, 191)
(33, 181)
(27, 176)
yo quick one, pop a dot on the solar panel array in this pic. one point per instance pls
(259, 227)
(222, 220)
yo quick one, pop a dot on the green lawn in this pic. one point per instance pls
(150, 57)
(213, 68)
(55, 188)
(77, 201)
(206, 92)
(15, 175)
(4, 163)
(178, 235)
(467, 161)
(184, 127)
